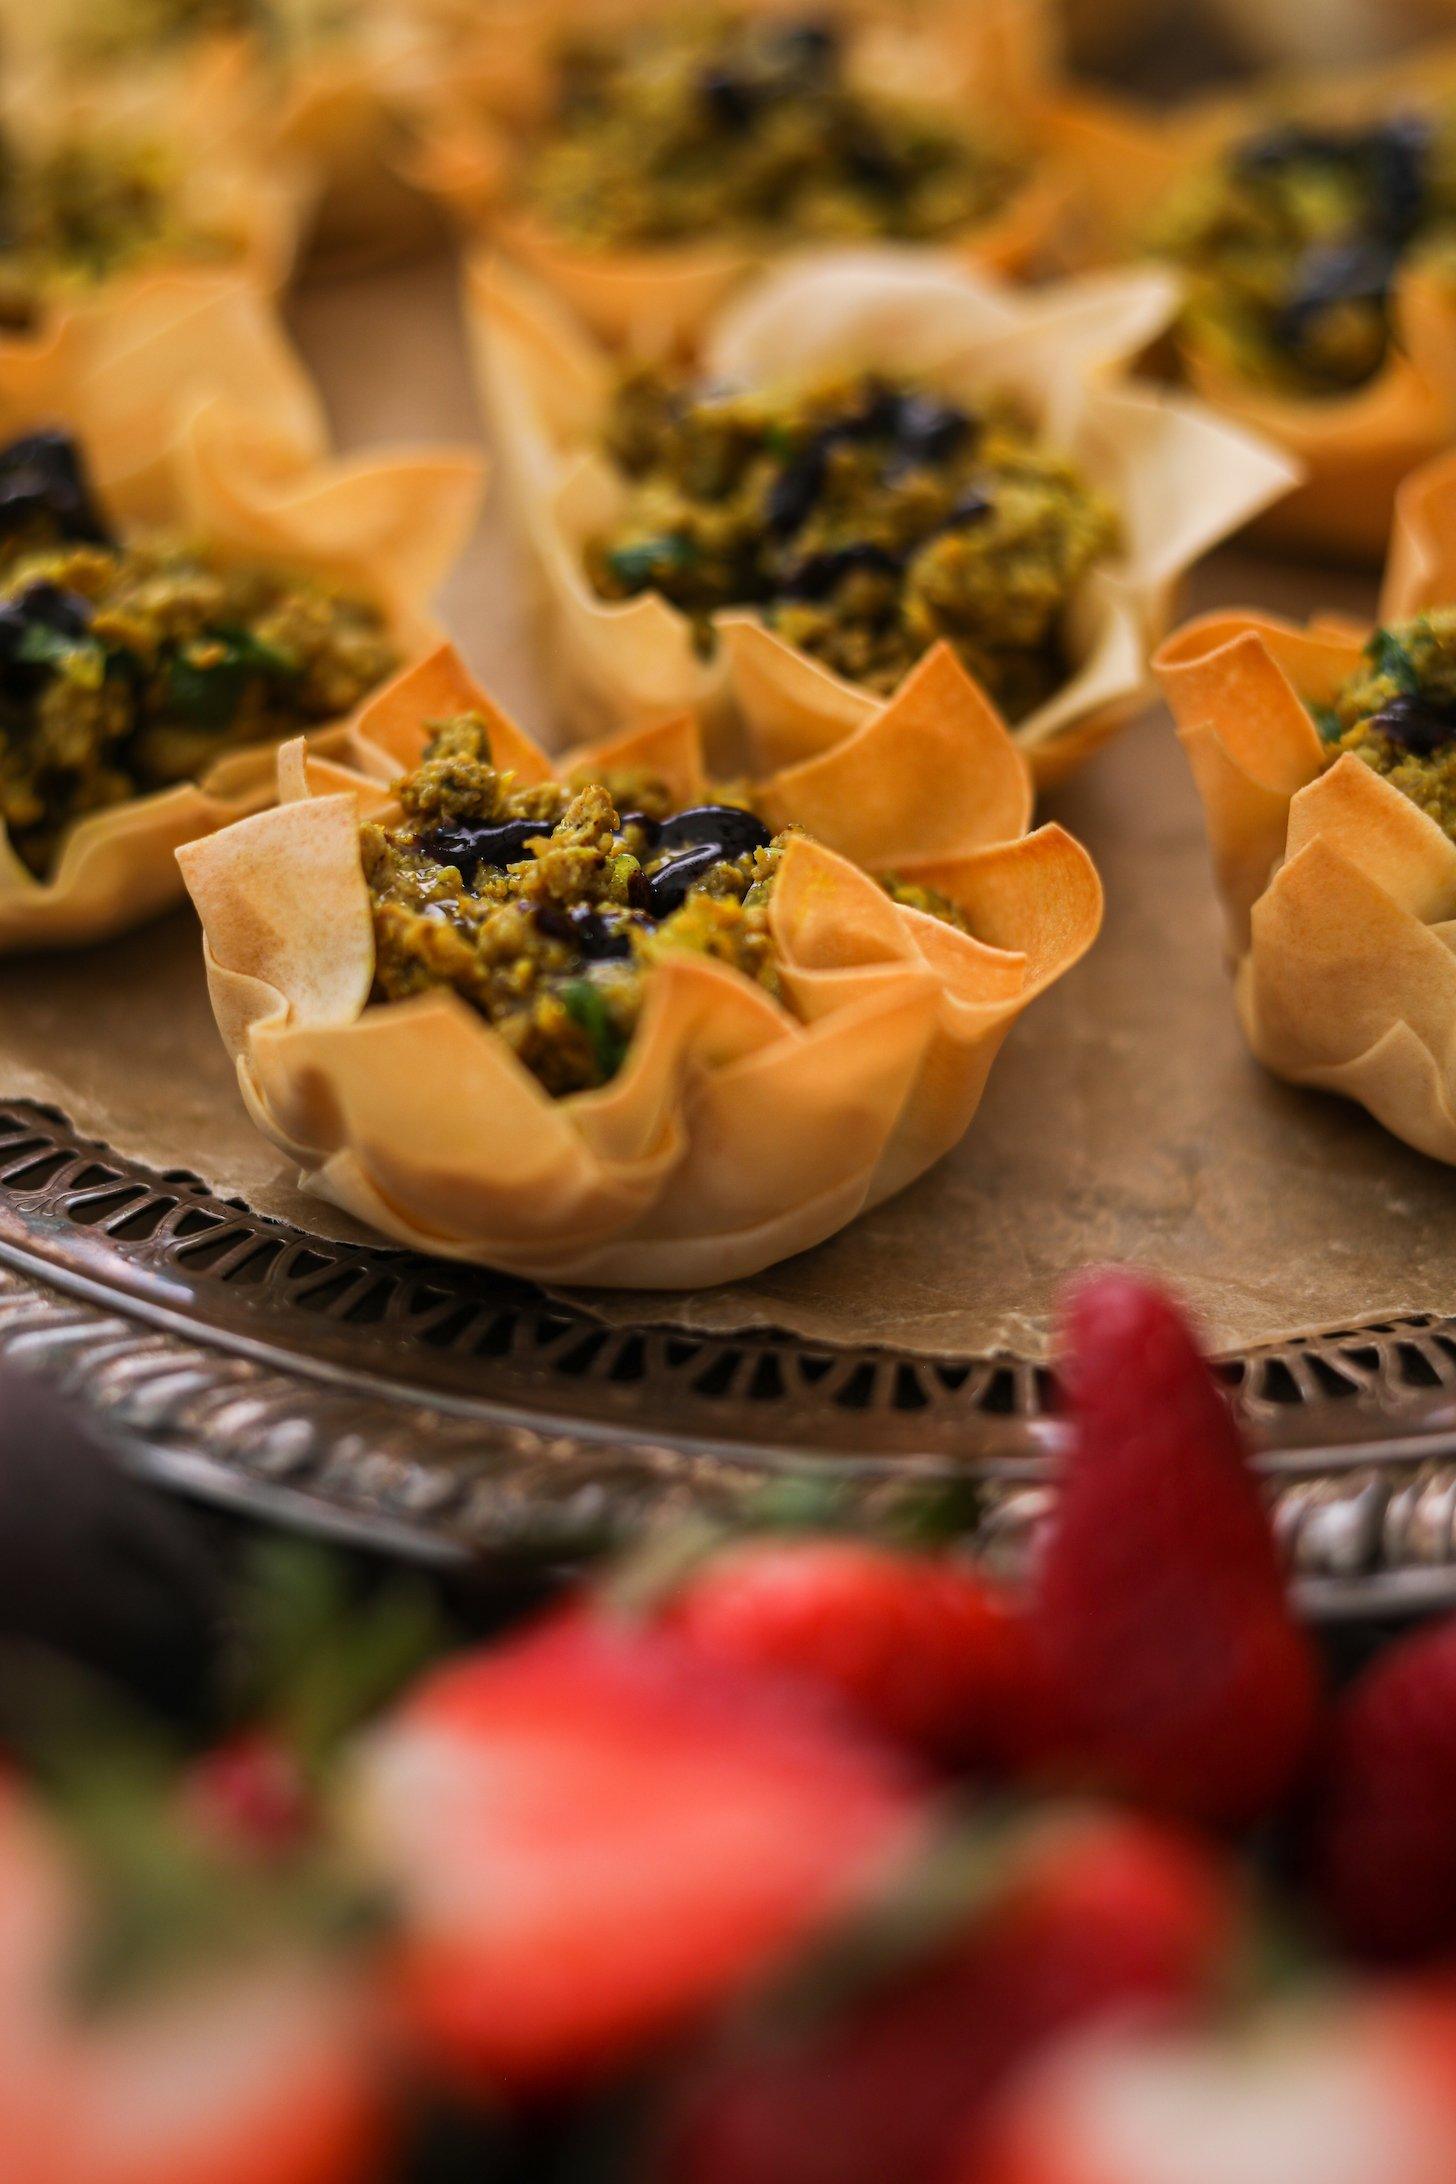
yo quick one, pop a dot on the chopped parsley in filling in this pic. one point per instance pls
(864, 518)
(698, 124)
(129, 665)
(1397, 712)
(85, 209)
(1292, 243)
(546, 907)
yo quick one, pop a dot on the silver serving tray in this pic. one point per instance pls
(441, 1412)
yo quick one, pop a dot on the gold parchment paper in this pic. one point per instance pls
(1124, 1120)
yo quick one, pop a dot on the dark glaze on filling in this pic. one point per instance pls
(702, 123)
(863, 517)
(127, 665)
(1293, 241)
(547, 907)
(1397, 712)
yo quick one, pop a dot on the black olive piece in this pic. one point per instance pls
(732, 99)
(43, 474)
(1350, 272)
(810, 48)
(871, 161)
(816, 576)
(66, 612)
(794, 494)
(972, 507)
(1398, 157)
(639, 894)
(1416, 723)
(596, 935)
(495, 844)
(1283, 146)
(668, 887)
(727, 828)
(41, 606)
(929, 430)
(878, 417)
(553, 921)
(601, 938)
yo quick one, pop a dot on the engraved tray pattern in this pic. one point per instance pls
(441, 1411)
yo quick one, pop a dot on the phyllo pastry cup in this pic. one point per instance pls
(475, 144)
(309, 91)
(1177, 479)
(189, 140)
(202, 426)
(1354, 444)
(739, 1128)
(341, 93)
(1338, 887)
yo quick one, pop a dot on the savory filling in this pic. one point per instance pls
(863, 518)
(705, 123)
(1397, 712)
(1292, 243)
(128, 666)
(116, 26)
(83, 210)
(122, 28)
(546, 907)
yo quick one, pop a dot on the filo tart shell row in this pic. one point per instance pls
(317, 123)
(236, 186)
(1354, 448)
(736, 1132)
(993, 59)
(1339, 891)
(1180, 477)
(244, 472)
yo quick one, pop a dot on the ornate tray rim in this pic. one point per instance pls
(438, 1412)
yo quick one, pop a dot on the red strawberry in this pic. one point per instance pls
(36, 1906)
(1386, 1832)
(259, 2071)
(922, 1649)
(1093, 1915)
(595, 1837)
(1357, 2092)
(262, 2075)
(1181, 1673)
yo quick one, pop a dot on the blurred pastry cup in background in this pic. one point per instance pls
(347, 78)
(1291, 33)
(111, 180)
(911, 452)
(313, 90)
(186, 575)
(800, 1040)
(1325, 757)
(1315, 228)
(644, 188)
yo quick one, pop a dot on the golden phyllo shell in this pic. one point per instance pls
(1339, 891)
(738, 1130)
(241, 199)
(336, 105)
(1353, 448)
(200, 421)
(992, 59)
(310, 99)
(1179, 477)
